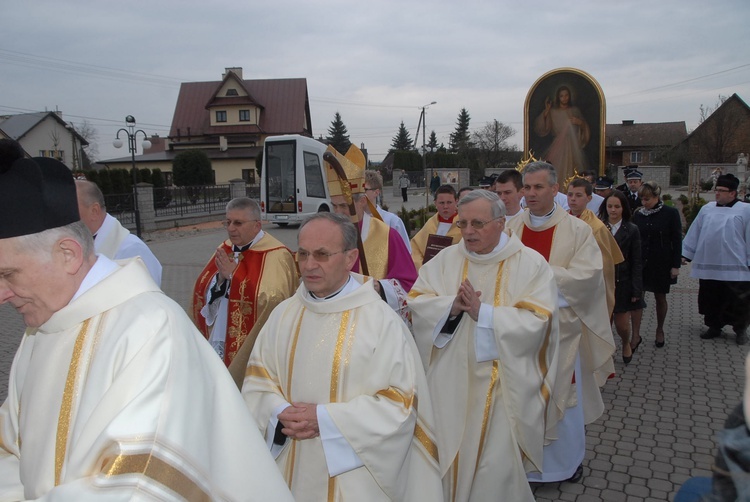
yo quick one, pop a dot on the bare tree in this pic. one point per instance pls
(89, 133)
(491, 142)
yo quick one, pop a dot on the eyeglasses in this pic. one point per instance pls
(722, 190)
(371, 189)
(477, 224)
(235, 223)
(318, 256)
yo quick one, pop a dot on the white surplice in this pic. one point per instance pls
(117, 243)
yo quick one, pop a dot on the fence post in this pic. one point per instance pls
(237, 188)
(146, 207)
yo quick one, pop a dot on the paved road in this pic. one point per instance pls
(662, 411)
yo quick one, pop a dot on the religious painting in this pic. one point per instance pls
(450, 178)
(564, 120)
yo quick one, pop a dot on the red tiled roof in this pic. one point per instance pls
(646, 135)
(284, 101)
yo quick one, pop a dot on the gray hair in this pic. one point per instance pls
(245, 204)
(90, 193)
(498, 208)
(541, 166)
(348, 231)
(42, 243)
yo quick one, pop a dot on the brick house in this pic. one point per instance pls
(229, 120)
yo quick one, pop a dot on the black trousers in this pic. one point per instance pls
(404, 195)
(724, 302)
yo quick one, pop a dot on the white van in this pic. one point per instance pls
(292, 182)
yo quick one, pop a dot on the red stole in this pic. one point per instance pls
(446, 220)
(540, 241)
(243, 291)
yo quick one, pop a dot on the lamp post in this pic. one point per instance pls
(132, 133)
(424, 157)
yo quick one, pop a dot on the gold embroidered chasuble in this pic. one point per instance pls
(117, 395)
(357, 358)
(490, 415)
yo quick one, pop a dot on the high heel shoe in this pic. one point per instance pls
(659, 344)
(627, 359)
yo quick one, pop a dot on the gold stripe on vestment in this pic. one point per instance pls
(331, 489)
(414, 293)
(66, 407)
(426, 441)
(292, 352)
(253, 370)
(487, 410)
(397, 396)
(545, 391)
(536, 309)
(465, 272)
(336, 367)
(499, 290)
(156, 469)
(455, 479)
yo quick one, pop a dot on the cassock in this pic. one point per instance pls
(611, 253)
(436, 226)
(118, 397)
(117, 243)
(490, 380)
(387, 261)
(266, 275)
(354, 357)
(586, 337)
(718, 243)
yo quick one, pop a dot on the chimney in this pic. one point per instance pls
(237, 70)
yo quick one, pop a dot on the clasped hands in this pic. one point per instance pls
(300, 421)
(467, 300)
(224, 264)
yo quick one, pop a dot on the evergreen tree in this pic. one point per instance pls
(191, 168)
(338, 137)
(402, 140)
(432, 143)
(460, 137)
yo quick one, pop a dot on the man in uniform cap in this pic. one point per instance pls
(633, 181)
(718, 244)
(121, 397)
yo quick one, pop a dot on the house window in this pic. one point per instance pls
(249, 176)
(636, 157)
(244, 115)
(221, 116)
(232, 92)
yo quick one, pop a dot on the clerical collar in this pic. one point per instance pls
(446, 220)
(101, 269)
(500, 245)
(240, 249)
(349, 286)
(537, 221)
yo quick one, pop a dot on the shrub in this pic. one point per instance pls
(683, 199)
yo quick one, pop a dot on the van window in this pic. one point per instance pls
(314, 176)
(280, 182)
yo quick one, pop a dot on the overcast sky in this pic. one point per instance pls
(375, 62)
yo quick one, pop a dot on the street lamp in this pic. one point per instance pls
(117, 143)
(424, 156)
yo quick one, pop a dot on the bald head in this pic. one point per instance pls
(91, 205)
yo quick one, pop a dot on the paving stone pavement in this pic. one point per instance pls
(662, 411)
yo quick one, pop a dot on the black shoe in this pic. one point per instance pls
(711, 333)
(627, 359)
(576, 477)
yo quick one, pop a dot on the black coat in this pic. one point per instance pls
(629, 273)
(661, 246)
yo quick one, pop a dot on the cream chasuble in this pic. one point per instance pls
(576, 261)
(353, 355)
(419, 241)
(490, 414)
(118, 397)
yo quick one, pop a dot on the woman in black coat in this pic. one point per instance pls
(628, 274)
(661, 249)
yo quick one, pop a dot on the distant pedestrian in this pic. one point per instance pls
(434, 183)
(403, 184)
